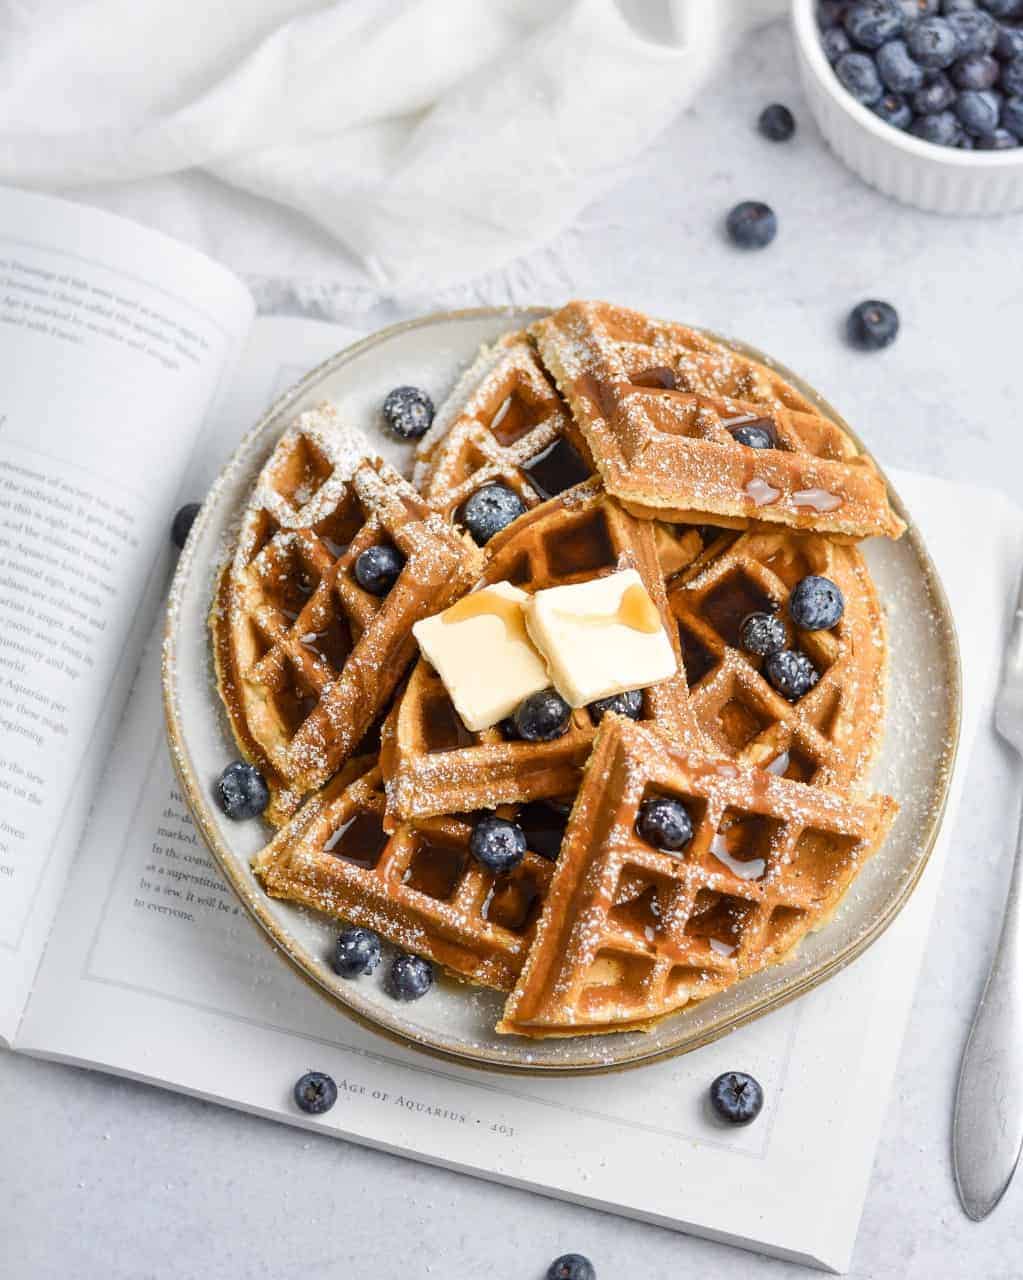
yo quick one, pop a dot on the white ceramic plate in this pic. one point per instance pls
(456, 1020)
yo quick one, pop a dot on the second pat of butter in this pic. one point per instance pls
(600, 638)
(480, 649)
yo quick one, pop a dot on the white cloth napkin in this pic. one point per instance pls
(436, 139)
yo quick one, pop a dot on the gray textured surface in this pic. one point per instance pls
(103, 1178)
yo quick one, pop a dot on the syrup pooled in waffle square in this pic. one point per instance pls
(660, 405)
(828, 737)
(306, 658)
(504, 423)
(433, 764)
(630, 933)
(418, 887)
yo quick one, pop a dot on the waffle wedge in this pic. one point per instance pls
(433, 764)
(418, 887)
(630, 934)
(830, 736)
(307, 660)
(658, 403)
(503, 423)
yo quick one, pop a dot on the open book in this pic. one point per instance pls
(130, 368)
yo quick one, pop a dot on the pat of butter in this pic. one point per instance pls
(480, 649)
(601, 637)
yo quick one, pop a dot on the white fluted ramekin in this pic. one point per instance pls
(939, 179)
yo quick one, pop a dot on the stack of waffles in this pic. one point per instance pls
(618, 436)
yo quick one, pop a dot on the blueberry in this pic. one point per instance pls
(941, 128)
(976, 71)
(410, 977)
(913, 10)
(938, 94)
(830, 13)
(966, 143)
(753, 436)
(407, 412)
(356, 951)
(859, 75)
(762, 634)
(791, 673)
(976, 31)
(571, 1266)
(182, 523)
(736, 1097)
(871, 22)
(873, 324)
(897, 69)
(315, 1093)
(752, 224)
(777, 123)
(624, 704)
(933, 43)
(1010, 43)
(835, 42)
(893, 109)
(816, 603)
(664, 823)
(1012, 115)
(378, 568)
(542, 716)
(1000, 140)
(957, 6)
(489, 510)
(1011, 78)
(979, 111)
(498, 844)
(1003, 8)
(242, 791)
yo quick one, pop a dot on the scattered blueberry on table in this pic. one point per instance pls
(776, 122)
(356, 952)
(408, 412)
(736, 1097)
(872, 325)
(624, 704)
(752, 224)
(571, 1266)
(664, 823)
(315, 1093)
(182, 523)
(762, 634)
(542, 716)
(497, 844)
(816, 603)
(242, 791)
(791, 673)
(950, 73)
(411, 977)
(378, 568)
(489, 510)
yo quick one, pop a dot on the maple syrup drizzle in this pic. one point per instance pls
(490, 604)
(635, 610)
(762, 493)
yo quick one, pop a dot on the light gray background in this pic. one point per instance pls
(103, 1178)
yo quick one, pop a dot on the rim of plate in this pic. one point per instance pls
(375, 1017)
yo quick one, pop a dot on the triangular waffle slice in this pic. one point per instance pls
(659, 403)
(433, 764)
(306, 659)
(419, 887)
(629, 934)
(828, 737)
(504, 423)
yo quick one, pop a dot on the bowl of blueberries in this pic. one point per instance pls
(922, 98)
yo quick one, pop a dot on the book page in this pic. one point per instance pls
(114, 342)
(155, 971)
